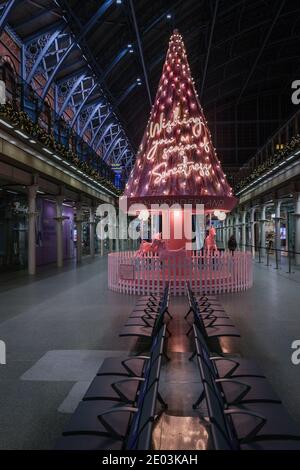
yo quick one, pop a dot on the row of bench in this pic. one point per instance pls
(148, 315)
(243, 410)
(120, 406)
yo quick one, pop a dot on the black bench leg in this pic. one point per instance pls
(161, 401)
(189, 331)
(200, 399)
(166, 356)
(168, 313)
(190, 311)
(192, 356)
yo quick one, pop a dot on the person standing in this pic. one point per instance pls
(232, 244)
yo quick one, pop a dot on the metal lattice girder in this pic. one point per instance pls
(94, 124)
(83, 103)
(100, 126)
(106, 144)
(119, 147)
(121, 154)
(128, 159)
(111, 146)
(61, 55)
(73, 43)
(36, 51)
(72, 90)
(107, 137)
(124, 95)
(90, 117)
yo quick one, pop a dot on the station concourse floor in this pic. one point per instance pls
(60, 324)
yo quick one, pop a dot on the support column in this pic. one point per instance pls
(101, 247)
(277, 228)
(119, 244)
(92, 231)
(297, 227)
(79, 232)
(110, 245)
(244, 215)
(32, 190)
(226, 231)
(252, 231)
(262, 223)
(237, 228)
(59, 231)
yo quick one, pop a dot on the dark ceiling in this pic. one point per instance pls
(244, 56)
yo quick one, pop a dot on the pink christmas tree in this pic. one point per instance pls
(176, 157)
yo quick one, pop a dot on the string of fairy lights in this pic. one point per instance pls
(176, 156)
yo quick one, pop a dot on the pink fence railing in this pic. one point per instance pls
(216, 274)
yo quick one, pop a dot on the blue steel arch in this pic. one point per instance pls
(53, 44)
(107, 129)
(83, 102)
(71, 92)
(90, 118)
(42, 54)
(124, 95)
(112, 145)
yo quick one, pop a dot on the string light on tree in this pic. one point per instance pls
(177, 155)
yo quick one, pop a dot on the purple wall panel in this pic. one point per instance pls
(46, 232)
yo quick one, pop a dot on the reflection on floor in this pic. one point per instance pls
(180, 433)
(72, 310)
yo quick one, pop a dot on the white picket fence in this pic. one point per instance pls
(215, 274)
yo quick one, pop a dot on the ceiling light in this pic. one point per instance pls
(32, 141)
(21, 134)
(169, 16)
(6, 124)
(46, 150)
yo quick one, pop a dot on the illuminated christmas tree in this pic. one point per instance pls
(176, 157)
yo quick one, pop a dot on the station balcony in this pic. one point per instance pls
(33, 118)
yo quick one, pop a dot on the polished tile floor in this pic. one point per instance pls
(59, 325)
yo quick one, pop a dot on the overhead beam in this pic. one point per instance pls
(58, 25)
(7, 9)
(139, 42)
(265, 41)
(209, 46)
(95, 17)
